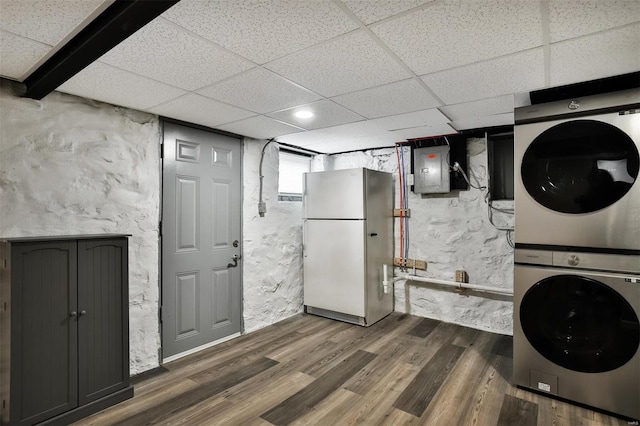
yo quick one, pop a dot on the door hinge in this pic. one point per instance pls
(160, 228)
(160, 313)
(161, 150)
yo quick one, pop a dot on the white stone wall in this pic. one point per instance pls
(74, 166)
(272, 245)
(450, 232)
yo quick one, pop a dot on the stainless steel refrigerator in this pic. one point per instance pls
(348, 238)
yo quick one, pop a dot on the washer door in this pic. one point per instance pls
(579, 323)
(580, 166)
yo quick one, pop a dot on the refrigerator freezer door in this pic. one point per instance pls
(334, 265)
(336, 194)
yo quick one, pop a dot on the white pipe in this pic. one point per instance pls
(385, 278)
(453, 284)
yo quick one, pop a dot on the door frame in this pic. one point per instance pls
(241, 139)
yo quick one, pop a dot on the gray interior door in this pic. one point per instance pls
(201, 293)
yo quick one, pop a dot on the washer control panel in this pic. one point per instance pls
(583, 260)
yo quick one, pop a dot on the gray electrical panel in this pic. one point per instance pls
(431, 170)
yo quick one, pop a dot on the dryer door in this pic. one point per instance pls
(580, 166)
(579, 323)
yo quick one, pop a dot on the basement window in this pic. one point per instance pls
(500, 152)
(292, 166)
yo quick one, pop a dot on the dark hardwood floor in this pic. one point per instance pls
(309, 370)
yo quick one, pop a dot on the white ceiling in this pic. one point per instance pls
(374, 72)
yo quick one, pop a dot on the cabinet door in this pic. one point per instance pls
(43, 331)
(103, 324)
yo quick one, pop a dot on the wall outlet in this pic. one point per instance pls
(462, 276)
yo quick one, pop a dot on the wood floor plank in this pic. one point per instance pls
(130, 407)
(200, 413)
(418, 395)
(216, 387)
(452, 400)
(464, 336)
(155, 415)
(424, 328)
(329, 410)
(487, 397)
(268, 395)
(516, 411)
(303, 401)
(422, 350)
(365, 379)
(384, 337)
(380, 396)
(347, 347)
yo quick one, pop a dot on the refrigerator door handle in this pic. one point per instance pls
(304, 238)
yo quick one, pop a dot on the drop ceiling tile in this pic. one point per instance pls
(197, 109)
(262, 30)
(19, 54)
(435, 129)
(326, 114)
(481, 108)
(259, 127)
(390, 99)
(165, 52)
(506, 119)
(574, 18)
(259, 90)
(615, 52)
(412, 120)
(342, 65)
(361, 129)
(354, 144)
(47, 21)
(106, 83)
(370, 11)
(514, 73)
(454, 33)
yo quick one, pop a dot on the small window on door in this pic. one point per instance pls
(500, 152)
(292, 166)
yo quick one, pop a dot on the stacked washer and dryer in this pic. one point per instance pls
(577, 256)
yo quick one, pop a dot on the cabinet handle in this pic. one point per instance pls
(83, 312)
(73, 314)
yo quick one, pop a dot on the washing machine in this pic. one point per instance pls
(576, 333)
(576, 182)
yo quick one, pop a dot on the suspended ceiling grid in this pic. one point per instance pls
(374, 72)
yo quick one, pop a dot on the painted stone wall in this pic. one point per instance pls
(272, 245)
(450, 232)
(73, 166)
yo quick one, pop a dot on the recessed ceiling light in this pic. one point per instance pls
(303, 113)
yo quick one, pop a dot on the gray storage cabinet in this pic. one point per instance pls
(65, 327)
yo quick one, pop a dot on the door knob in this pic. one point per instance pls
(235, 259)
(73, 314)
(83, 312)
